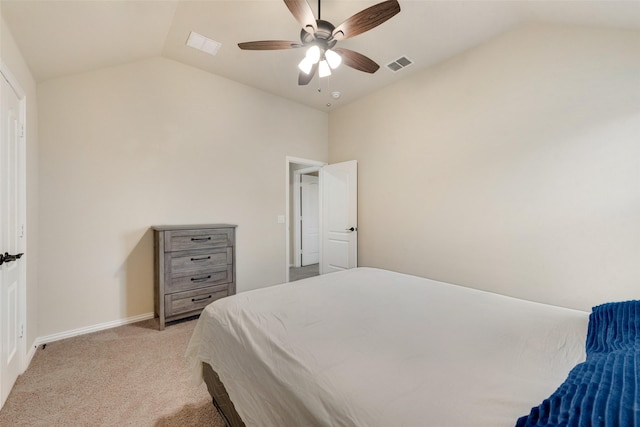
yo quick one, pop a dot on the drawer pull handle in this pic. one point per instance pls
(201, 259)
(200, 299)
(200, 239)
(200, 279)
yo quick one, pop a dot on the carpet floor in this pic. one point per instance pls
(132, 375)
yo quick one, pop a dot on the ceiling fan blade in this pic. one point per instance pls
(301, 10)
(269, 45)
(366, 19)
(357, 60)
(304, 78)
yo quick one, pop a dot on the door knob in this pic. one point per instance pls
(352, 229)
(8, 258)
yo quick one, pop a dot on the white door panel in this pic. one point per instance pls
(310, 219)
(339, 183)
(10, 272)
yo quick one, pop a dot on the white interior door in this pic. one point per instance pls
(10, 272)
(339, 226)
(310, 219)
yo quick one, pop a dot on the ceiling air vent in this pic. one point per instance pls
(399, 64)
(205, 44)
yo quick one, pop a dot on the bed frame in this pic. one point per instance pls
(220, 397)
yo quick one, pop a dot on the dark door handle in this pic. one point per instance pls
(352, 229)
(8, 258)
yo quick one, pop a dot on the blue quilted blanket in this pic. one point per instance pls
(605, 389)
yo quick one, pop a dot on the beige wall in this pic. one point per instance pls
(157, 142)
(513, 167)
(13, 60)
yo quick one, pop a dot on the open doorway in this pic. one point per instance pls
(337, 198)
(303, 216)
(305, 233)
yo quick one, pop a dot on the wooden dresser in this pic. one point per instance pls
(194, 265)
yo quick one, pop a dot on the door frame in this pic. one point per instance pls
(296, 211)
(307, 163)
(6, 73)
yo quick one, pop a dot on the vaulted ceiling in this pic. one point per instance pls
(59, 38)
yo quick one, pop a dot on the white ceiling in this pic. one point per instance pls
(58, 38)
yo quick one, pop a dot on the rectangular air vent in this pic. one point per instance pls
(205, 44)
(399, 64)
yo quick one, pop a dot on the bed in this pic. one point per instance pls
(370, 347)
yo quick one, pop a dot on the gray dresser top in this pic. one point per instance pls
(190, 227)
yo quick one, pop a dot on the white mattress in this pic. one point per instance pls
(369, 347)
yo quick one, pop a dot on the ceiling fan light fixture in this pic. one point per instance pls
(319, 37)
(313, 54)
(333, 58)
(324, 70)
(305, 65)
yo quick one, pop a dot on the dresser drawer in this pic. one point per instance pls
(183, 302)
(203, 279)
(183, 263)
(183, 240)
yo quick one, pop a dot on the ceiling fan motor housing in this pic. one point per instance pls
(322, 37)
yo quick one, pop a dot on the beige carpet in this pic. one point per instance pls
(131, 375)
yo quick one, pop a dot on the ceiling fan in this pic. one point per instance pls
(321, 37)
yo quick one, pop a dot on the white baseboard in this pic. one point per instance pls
(87, 330)
(29, 355)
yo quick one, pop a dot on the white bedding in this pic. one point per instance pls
(369, 347)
